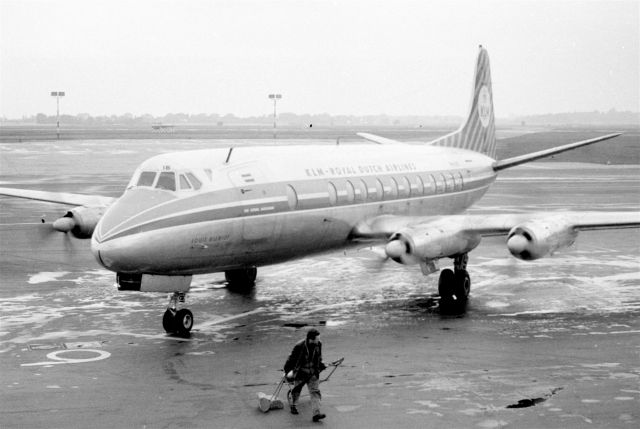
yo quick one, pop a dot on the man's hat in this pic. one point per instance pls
(312, 333)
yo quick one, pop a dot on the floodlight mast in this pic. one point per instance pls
(275, 98)
(57, 94)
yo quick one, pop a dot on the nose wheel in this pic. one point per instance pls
(175, 320)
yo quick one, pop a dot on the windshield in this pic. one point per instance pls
(166, 180)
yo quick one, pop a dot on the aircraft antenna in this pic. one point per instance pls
(228, 155)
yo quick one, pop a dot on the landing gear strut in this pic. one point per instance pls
(177, 321)
(454, 286)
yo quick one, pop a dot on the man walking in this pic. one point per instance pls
(304, 366)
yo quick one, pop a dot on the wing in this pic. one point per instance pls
(517, 160)
(378, 139)
(59, 197)
(412, 240)
(81, 220)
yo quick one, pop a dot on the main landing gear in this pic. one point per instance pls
(177, 321)
(454, 286)
(241, 280)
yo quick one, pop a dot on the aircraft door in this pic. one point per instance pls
(257, 202)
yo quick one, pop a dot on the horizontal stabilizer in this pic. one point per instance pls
(377, 139)
(522, 159)
(59, 197)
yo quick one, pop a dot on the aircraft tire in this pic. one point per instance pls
(241, 280)
(446, 284)
(183, 322)
(169, 321)
(462, 285)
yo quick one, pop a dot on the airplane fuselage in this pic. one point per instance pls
(262, 205)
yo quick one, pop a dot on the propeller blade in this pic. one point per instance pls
(376, 257)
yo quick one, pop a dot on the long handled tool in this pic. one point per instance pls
(334, 364)
(272, 402)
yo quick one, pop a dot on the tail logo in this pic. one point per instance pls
(484, 106)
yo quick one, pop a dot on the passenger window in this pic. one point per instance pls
(167, 180)
(440, 183)
(147, 178)
(292, 197)
(350, 192)
(389, 188)
(333, 194)
(184, 183)
(450, 182)
(197, 184)
(459, 181)
(417, 186)
(403, 187)
(379, 190)
(371, 189)
(361, 191)
(429, 185)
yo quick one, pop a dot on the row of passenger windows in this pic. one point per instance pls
(167, 180)
(383, 188)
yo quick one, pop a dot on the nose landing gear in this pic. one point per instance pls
(177, 321)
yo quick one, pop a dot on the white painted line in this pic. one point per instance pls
(226, 319)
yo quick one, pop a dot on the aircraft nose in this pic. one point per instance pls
(114, 243)
(133, 208)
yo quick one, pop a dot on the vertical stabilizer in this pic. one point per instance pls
(478, 133)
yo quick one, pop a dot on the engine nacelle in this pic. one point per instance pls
(81, 221)
(411, 246)
(539, 238)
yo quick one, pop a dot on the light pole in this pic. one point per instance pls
(275, 98)
(57, 94)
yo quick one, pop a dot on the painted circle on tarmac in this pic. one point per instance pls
(101, 354)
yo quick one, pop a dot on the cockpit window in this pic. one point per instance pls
(184, 183)
(197, 184)
(167, 180)
(146, 178)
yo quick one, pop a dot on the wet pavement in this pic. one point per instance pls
(549, 343)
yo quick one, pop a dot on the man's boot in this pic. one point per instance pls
(294, 410)
(318, 417)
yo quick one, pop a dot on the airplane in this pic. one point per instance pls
(233, 210)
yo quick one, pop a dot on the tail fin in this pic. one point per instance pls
(478, 133)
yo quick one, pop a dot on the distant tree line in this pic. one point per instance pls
(612, 117)
(284, 119)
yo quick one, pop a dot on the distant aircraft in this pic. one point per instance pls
(218, 210)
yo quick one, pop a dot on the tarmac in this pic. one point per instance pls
(553, 343)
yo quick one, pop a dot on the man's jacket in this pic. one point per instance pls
(305, 360)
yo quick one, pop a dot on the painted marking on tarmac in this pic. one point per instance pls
(56, 359)
(226, 319)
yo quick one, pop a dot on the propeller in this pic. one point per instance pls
(396, 250)
(376, 257)
(49, 233)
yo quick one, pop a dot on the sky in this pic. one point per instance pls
(349, 57)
